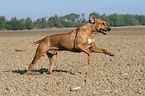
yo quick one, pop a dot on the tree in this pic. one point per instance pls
(37, 23)
(96, 15)
(44, 23)
(72, 17)
(55, 21)
(115, 20)
(8, 25)
(131, 20)
(141, 19)
(12, 24)
(105, 17)
(51, 22)
(83, 20)
(28, 23)
(41, 23)
(21, 24)
(15, 24)
(2, 22)
(70, 20)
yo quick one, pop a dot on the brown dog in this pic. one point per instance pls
(79, 40)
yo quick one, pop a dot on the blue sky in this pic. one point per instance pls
(47, 8)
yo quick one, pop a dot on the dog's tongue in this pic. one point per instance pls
(103, 31)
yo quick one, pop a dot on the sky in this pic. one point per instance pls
(46, 8)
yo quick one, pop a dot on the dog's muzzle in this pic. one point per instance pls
(109, 29)
(104, 31)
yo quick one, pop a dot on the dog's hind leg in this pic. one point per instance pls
(52, 59)
(42, 48)
(37, 56)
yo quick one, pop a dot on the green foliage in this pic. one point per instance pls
(115, 20)
(28, 23)
(130, 20)
(21, 24)
(121, 20)
(15, 24)
(55, 21)
(72, 17)
(64, 21)
(96, 15)
(2, 22)
(70, 20)
(141, 19)
(41, 23)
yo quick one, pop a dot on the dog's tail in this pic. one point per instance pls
(34, 43)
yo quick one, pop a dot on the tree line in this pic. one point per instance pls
(70, 20)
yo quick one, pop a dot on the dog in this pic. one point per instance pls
(78, 40)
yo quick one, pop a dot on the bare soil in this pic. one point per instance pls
(121, 75)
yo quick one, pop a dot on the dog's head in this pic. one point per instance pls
(98, 25)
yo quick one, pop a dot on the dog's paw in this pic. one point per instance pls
(112, 54)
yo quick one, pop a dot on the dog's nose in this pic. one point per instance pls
(109, 29)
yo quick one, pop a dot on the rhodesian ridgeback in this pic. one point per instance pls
(78, 40)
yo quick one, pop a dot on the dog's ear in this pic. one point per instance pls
(92, 19)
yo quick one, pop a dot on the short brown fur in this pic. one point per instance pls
(78, 40)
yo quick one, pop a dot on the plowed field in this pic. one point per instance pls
(121, 75)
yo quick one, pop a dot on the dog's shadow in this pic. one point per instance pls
(41, 71)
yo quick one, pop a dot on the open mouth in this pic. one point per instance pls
(103, 31)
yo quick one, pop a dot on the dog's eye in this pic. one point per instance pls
(103, 23)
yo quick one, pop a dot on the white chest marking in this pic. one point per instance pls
(90, 41)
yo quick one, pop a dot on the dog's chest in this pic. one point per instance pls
(90, 41)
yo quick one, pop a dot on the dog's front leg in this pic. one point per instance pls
(84, 49)
(100, 50)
